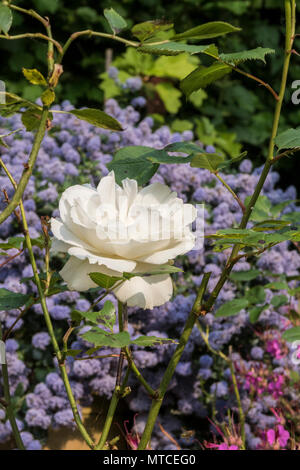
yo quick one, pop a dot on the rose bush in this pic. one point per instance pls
(115, 229)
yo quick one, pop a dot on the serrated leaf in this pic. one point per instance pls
(183, 147)
(289, 139)
(102, 338)
(97, 118)
(146, 341)
(12, 242)
(148, 29)
(163, 269)
(256, 295)
(293, 334)
(255, 313)
(48, 97)
(104, 281)
(209, 161)
(116, 21)
(203, 76)
(34, 76)
(209, 30)
(236, 159)
(132, 162)
(175, 48)
(106, 315)
(254, 54)
(31, 119)
(10, 300)
(233, 307)
(73, 352)
(262, 208)
(279, 300)
(245, 275)
(6, 18)
(277, 285)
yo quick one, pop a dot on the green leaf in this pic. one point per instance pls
(277, 285)
(279, 300)
(256, 295)
(31, 119)
(133, 162)
(255, 313)
(262, 208)
(145, 341)
(102, 338)
(289, 139)
(48, 97)
(175, 48)
(293, 334)
(106, 315)
(203, 76)
(97, 118)
(116, 22)
(9, 300)
(163, 269)
(73, 352)
(233, 307)
(5, 18)
(12, 242)
(170, 96)
(254, 54)
(209, 30)
(245, 275)
(183, 147)
(209, 161)
(103, 280)
(34, 76)
(148, 29)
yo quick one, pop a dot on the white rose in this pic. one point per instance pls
(115, 229)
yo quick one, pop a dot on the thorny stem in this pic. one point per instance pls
(7, 404)
(189, 325)
(119, 389)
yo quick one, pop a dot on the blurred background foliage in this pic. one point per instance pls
(232, 114)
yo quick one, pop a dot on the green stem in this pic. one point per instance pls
(9, 406)
(33, 35)
(230, 190)
(15, 201)
(238, 399)
(119, 389)
(138, 374)
(157, 402)
(91, 33)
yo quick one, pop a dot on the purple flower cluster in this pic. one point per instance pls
(78, 152)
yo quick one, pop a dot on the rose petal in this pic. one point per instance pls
(145, 292)
(76, 274)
